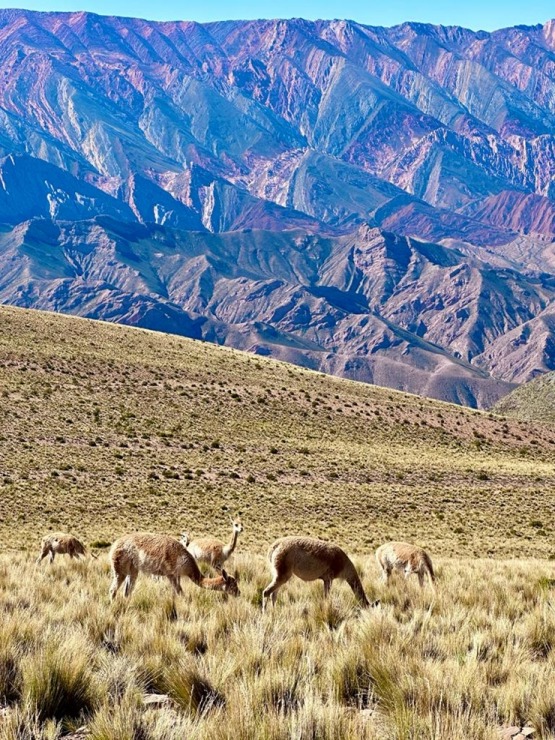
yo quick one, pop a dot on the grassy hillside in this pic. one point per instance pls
(533, 401)
(104, 429)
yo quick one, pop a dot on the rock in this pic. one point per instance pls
(78, 734)
(507, 733)
(367, 715)
(155, 701)
(528, 731)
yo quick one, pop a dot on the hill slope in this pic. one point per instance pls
(533, 401)
(359, 171)
(105, 429)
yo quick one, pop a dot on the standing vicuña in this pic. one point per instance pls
(59, 543)
(160, 555)
(211, 550)
(310, 559)
(405, 557)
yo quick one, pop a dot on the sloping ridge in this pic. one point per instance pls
(533, 401)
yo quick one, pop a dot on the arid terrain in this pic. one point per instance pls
(106, 429)
(533, 401)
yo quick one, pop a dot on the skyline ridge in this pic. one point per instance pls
(270, 19)
(473, 15)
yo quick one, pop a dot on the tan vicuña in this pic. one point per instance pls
(310, 559)
(212, 551)
(160, 555)
(59, 543)
(405, 557)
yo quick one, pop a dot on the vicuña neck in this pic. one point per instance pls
(232, 545)
(215, 584)
(358, 591)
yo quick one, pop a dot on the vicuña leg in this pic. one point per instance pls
(271, 590)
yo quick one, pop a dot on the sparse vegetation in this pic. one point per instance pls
(370, 475)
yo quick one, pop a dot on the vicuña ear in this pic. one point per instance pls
(225, 575)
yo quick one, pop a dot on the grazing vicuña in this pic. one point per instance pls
(160, 555)
(61, 544)
(405, 557)
(310, 559)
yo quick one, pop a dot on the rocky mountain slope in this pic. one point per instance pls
(376, 203)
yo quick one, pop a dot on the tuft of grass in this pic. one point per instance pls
(191, 690)
(122, 721)
(22, 724)
(57, 682)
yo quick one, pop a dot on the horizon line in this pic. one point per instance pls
(275, 19)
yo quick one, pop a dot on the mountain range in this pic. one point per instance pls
(374, 203)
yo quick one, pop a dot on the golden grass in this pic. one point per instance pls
(478, 656)
(104, 429)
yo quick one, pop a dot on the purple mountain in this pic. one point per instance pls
(375, 203)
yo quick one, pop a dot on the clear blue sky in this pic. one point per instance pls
(476, 14)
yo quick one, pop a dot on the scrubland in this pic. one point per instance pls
(105, 429)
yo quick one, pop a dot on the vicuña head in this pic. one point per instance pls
(160, 555)
(310, 559)
(212, 551)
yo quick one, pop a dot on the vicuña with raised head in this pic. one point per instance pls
(212, 551)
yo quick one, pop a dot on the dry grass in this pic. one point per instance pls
(478, 656)
(104, 429)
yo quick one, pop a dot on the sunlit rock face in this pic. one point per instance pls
(375, 203)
